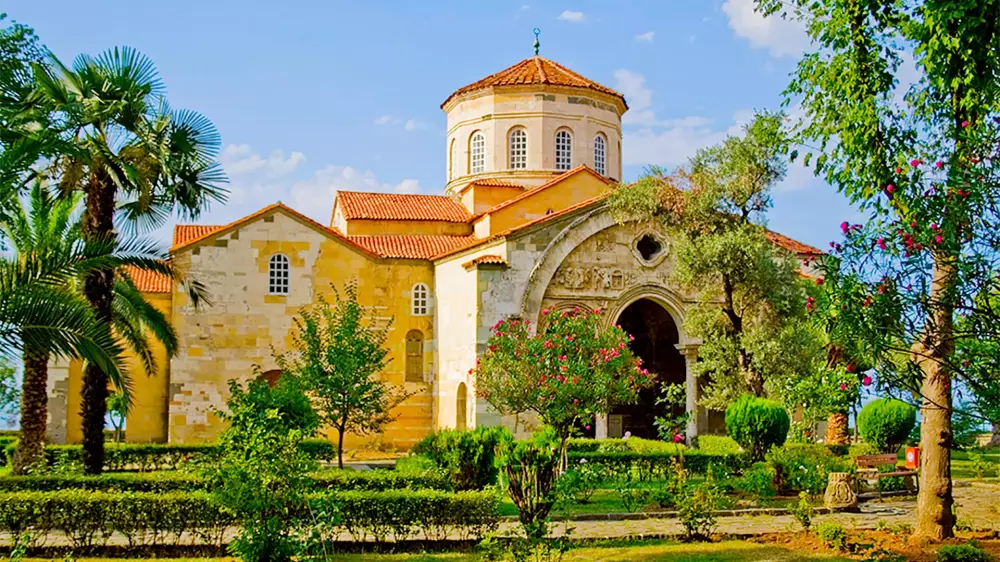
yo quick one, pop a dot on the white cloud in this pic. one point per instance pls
(405, 124)
(779, 36)
(383, 120)
(316, 194)
(241, 159)
(574, 17)
(640, 97)
(647, 37)
(670, 146)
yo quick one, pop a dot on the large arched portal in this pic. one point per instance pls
(656, 338)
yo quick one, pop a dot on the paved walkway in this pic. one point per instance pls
(978, 505)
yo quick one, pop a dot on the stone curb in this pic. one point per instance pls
(643, 515)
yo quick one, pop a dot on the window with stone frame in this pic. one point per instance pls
(600, 155)
(278, 271)
(517, 149)
(414, 356)
(420, 300)
(564, 150)
(477, 153)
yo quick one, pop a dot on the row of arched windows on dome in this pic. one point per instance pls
(517, 151)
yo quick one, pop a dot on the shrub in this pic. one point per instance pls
(696, 510)
(804, 468)
(580, 481)
(531, 468)
(962, 553)
(632, 495)
(757, 424)
(717, 445)
(468, 457)
(648, 466)
(803, 511)
(886, 423)
(757, 482)
(832, 535)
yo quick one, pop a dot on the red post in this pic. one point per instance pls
(913, 458)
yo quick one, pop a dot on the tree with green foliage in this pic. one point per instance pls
(568, 371)
(10, 394)
(338, 352)
(748, 295)
(262, 476)
(918, 160)
(43, 227)
(133, 158)
(757, 424)
(117, 411)
(886, 423)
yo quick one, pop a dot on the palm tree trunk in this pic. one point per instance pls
(935, 516)
(98, 224)
(30, 453)
(837, 429)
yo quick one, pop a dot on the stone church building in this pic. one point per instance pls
(520, 225)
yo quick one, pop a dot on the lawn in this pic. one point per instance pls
(962, 466)
(731, 551)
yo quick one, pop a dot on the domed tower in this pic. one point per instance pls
(528, 123)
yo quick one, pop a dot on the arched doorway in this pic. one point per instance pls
(656, 337)
(460, 406)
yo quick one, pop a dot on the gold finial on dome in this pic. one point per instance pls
(537, 44)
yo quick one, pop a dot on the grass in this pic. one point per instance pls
(731, 551)
(962, 469)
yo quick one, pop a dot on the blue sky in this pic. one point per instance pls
(311, 97)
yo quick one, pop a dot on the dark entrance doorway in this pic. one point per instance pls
(656, 337)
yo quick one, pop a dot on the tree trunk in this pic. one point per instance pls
(98, 224)
(837, 429)
(995, 438)
(340, 447)
(935, 518)
(30, 453)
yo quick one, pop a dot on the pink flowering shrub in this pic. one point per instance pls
(571, 369)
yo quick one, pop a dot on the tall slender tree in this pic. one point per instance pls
(44, 227)
(918, 159)
(133, 158)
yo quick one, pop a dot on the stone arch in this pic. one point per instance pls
(663, 296)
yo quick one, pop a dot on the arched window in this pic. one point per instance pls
(477, 153)
(517, 149)
(420, 298)
(564, 150)
(461, 406)
(600, 155)
(414, 356)
(277, 275)
(451, 160)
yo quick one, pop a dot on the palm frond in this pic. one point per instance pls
(137, 311)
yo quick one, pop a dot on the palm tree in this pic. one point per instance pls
(126, 150)
(49, 228)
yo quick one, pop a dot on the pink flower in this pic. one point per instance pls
(914, 162)
(890, 189)
(850, 367)
(678, 438)
(938, 239)
(587, 428)
(843, 386)
(939, 164)
(881, 243)
(843, 228)
(965, 124)
(866, 380)
(899, 170)
(819, 280)
(934, 226)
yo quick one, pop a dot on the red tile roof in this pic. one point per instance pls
(494, 182)
(485, 260)
(544, 186)
(409, 246)
(791, 245)
(398, 206)
(148, 281)
(535, 71)
(184, 233)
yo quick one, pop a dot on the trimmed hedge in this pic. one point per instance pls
(885, 423)
(158, 456)
(345, 480)
(88, 518)
(6, 441)
(656, 464)
(757, 424)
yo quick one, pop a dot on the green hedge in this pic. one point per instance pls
(158, 456)
(652, 465)
(6, 441)
(88, 518)
(352, 480)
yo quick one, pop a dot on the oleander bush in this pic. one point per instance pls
(467, 456)
(146, 457)
(87, 518)
(757, 424)
(331, 480)
(886, 423)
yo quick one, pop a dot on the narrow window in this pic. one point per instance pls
(600, 155)
(277, 275)
(451, 160)
(517, 148)
(477, 153)
(564, 150)
(420, 300)
(414, 356)
(461, 406)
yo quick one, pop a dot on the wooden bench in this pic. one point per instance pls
(867, 469)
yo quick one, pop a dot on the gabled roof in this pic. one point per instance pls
(188, 235)
(579, 169)
(484, 260)
(149, 281)
(535, 71)
(399, 206)
(409, 246)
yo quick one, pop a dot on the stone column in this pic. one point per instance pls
(601, 427)
(690, 353)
